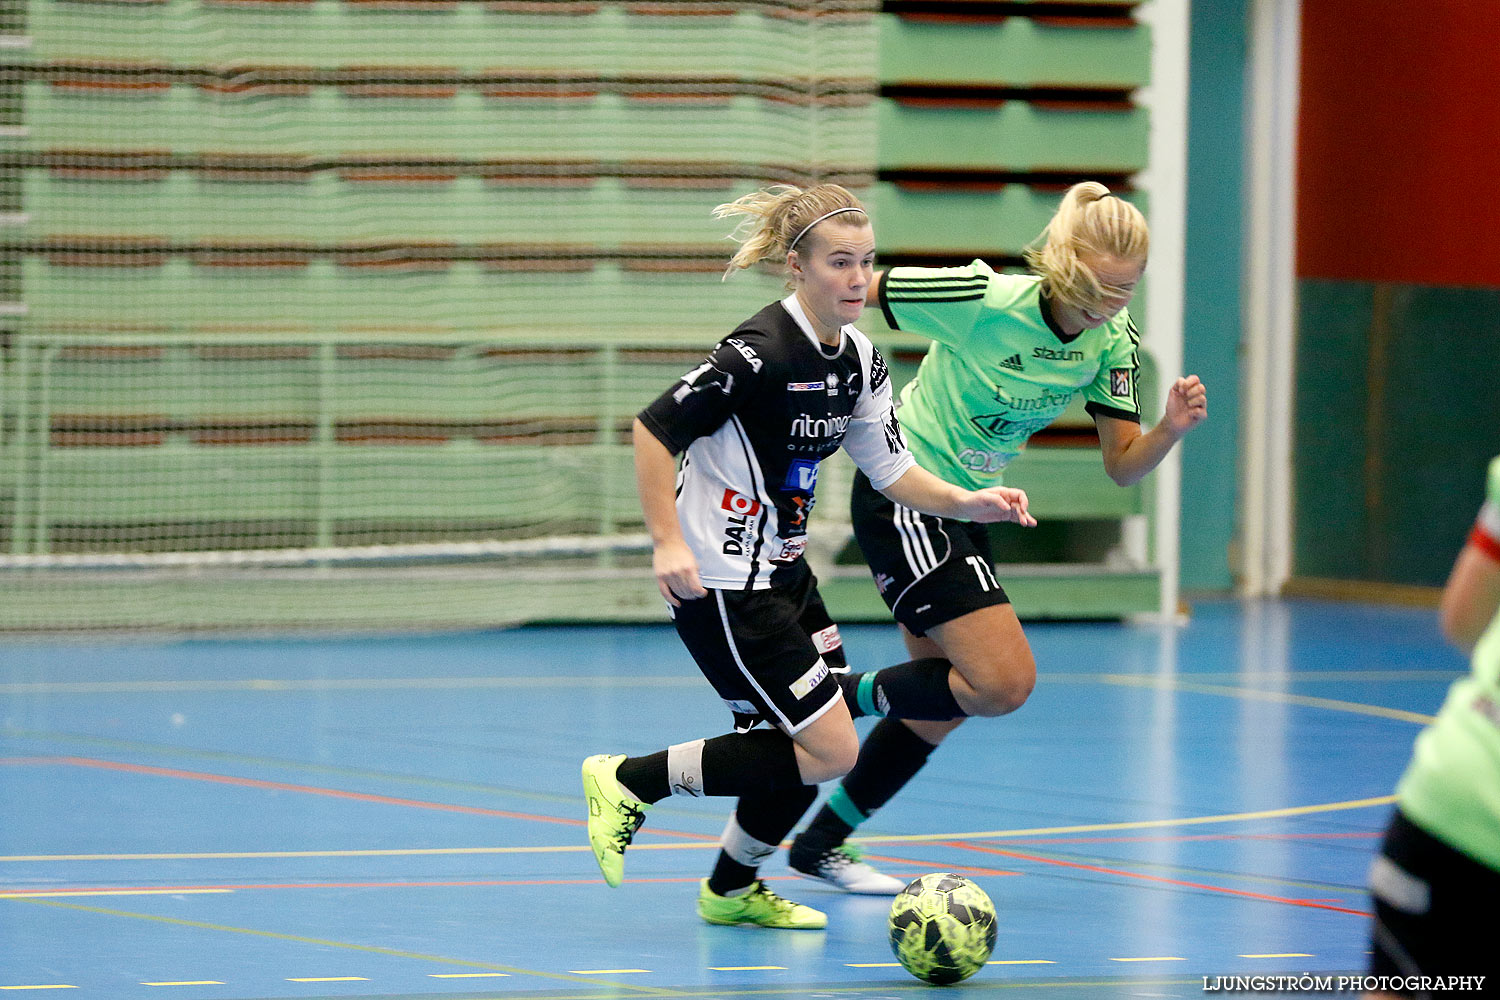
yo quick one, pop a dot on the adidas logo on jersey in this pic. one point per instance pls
(1013, 363)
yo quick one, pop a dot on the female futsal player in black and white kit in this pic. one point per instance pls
(786, 389)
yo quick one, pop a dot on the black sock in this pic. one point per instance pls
(760, 822)
(891, 756)
(741, 764)
(729, 875)
(732, 764)
(645, 777)
(917, 689)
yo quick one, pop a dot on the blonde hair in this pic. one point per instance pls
(1089, 222)
(775, 218)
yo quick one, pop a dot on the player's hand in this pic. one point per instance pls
(999, 503)
(1187, 404)
(676, 573)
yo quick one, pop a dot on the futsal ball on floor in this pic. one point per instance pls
(942, 928)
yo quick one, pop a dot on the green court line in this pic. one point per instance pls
(349, 946)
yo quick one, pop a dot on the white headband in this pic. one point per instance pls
(819, 219)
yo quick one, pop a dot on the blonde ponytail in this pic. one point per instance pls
(1089, 222)
(776, 218)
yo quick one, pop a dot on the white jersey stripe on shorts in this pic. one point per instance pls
(915, 541)
(926, 537)
(907, 547)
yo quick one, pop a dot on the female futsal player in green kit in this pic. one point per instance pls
(1009, 353)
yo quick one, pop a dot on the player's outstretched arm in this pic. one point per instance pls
(1129, 454)
(921, 490)
(1470, 597)
(1472, 594)
(672, 560)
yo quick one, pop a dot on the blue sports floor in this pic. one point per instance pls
(401, 817)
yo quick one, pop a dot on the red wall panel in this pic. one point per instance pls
(1398, 160)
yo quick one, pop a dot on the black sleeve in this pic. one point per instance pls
(699, 402)
(885, 305)
(1099, 409)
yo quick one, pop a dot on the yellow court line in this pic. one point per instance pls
(328, 979)
(605, 972)
(912, 838)
(189, 982)
(1257, 694)
(1299, 676)
(467, 975)
(1282, 954)
(1149, 824)
(1022, 961)
(1152, 958)
(746, 968)
(343, 945)
(54, 986)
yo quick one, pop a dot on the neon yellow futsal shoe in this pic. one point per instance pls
(613, 816)
(761, 907)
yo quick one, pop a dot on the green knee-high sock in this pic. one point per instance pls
(891, 756)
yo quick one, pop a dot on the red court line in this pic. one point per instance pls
(1156, 878)
(246, 887)
(336, 793)
(923, 867)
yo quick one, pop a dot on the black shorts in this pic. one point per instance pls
(1433, 910)
(770, 654)
(929, 570)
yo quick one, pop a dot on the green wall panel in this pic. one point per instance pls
(1212, 289)
(1013, 51)
(1398, 395)
(1013, 135)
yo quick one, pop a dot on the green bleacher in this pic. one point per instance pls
(340, 273)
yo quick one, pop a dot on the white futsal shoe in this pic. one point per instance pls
(842, 867)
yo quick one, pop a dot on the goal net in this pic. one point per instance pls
(335, 313)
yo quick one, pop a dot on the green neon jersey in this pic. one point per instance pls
(998, 370)
(1451, 788)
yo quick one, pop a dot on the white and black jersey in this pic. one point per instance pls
(755, 418)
